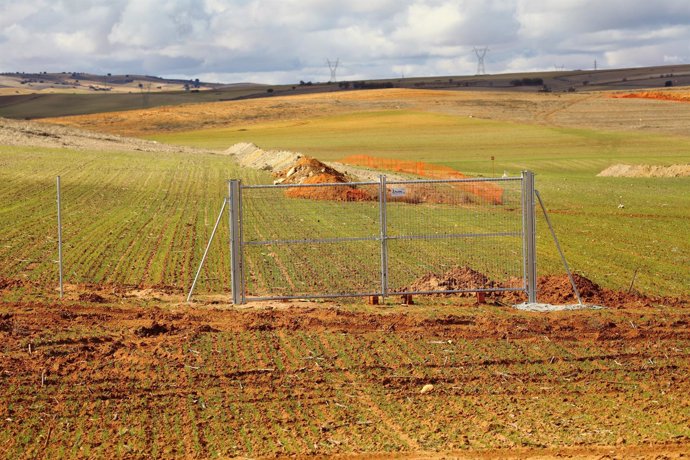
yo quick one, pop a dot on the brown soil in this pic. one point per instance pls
(308, 170)
(82, 379)
(582, 109)
(552, 289)
(37, 134)
(455, 279)
(670, 95)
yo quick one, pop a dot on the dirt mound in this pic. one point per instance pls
(623, 170)
(305, 168)
(307, 171)
(250, 155)
(455, 279)
(92, 297)
(551, 289)
(153, 330)
(557, 290)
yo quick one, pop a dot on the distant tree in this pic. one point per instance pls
(269, 90)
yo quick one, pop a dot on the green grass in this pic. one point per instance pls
(144, 218)
(128, 218)
(602, 241)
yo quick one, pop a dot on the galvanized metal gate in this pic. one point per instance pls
(382, 238)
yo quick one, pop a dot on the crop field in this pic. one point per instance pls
(604, 240)
(135, 381)
(123, 367)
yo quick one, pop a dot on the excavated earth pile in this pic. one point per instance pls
(311, 171)
(551, 289)
(455, 279)
(296, 168)
(250, 155)
(623, 170)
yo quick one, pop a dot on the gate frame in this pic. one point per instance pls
(528, 240)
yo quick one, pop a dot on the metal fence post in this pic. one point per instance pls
(529, 227)
(59, 225)
(384, 235)
(235, 211)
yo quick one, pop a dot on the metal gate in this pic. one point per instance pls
(382, 238)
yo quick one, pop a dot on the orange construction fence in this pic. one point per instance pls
(486, 190)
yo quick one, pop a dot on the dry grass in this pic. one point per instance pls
(581, 110)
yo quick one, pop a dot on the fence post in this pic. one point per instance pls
(235, 216)
(384, 235)
(59, 229)
(529, 228)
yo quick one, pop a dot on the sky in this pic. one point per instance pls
(285, 41)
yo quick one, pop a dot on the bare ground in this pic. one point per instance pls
(36, 134)
(589, 110)
(108, 374)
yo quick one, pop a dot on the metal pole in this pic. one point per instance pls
(208, 246)
(236, 275)
(558, 246)
(384, 235)
(529, 227)
(59, 225)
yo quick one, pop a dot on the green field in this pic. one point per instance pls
(603, 241)
(143, 219)
(106, 373)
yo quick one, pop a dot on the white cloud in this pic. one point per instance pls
(289, 40)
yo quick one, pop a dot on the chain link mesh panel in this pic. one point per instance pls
(437, 227)
(324, 240)
(305, 241)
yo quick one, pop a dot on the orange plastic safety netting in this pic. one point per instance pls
(485, 190)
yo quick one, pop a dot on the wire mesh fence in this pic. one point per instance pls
(378, 238)
(140, 227)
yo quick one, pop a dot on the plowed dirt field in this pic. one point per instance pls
(103, 376)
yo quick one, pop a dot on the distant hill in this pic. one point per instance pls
(44, 95)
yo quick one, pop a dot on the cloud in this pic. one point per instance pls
(289, 40)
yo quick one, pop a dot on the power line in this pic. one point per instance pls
(333, 66)
(481, 54)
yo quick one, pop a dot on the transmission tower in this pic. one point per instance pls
(481, 54)
(334, 67)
